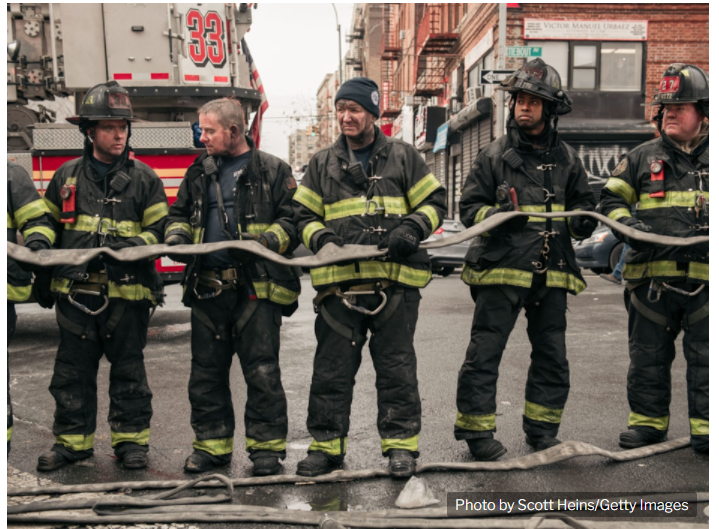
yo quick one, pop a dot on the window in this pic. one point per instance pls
(606, 66)
(473, 76)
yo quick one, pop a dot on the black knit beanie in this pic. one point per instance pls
(362, 90)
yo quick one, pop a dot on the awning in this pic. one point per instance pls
(481, 108)
(615, 130)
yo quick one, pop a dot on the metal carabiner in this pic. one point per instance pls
(653, 287)
(71, 299)
(377, 208)
(348, 297)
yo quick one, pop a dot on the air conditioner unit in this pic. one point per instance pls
(401, 34)
(474, 93)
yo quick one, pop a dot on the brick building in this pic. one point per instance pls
(303, 144)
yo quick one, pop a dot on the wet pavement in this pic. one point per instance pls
(596, 411)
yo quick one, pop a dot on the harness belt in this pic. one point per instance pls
(88, 332)
(223, 333)
(219, 280)
(693, 318)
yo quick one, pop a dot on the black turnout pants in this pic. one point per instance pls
(496, 311)
(257, 345)
(11, 321)
(84, 339)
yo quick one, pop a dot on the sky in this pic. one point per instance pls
(294, 46)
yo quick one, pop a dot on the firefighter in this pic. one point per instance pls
(235, 191)
(26, 212)
(527, 262)
(104, 198)
(371, 190)
(667, 287)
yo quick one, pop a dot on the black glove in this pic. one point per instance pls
(327, 238)
(116, 246)
(41, 288)
(270, 241)
(637, 246)
(402, 242)
(176, 240)
(582, 227)
(515, 224)
(34, 245)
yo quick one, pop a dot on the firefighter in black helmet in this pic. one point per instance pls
(105, 198)
(527, 262)
(667, 178)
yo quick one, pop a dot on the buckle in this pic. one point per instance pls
(348, 298)
(546, 166)
(377, 208)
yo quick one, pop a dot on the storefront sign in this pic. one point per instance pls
(585, 29)
(440, 143)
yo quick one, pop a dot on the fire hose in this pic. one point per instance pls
(328, 255)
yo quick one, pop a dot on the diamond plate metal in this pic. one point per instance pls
(57, 138)
(23, 159)
(54, 136)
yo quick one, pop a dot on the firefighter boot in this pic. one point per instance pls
(486, 448)
(51, 461)
(401, 464)
(700, 443)
(201, 461)
(317, 463)
(134, 459)
(265, 463)
(638, 436)
(542, 442)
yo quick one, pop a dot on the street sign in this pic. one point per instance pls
(493, 76)
(524, 51)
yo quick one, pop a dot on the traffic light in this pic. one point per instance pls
(313, 130)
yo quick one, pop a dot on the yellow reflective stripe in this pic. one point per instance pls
(556, 208)
(360, 205)
(216, 447)
(672, 199)
(196, 234)
(281, 235)
(54, 210)
(124, 228)
(556, 279)
(481, 214)
(658, 423)
(139, 438)
(182, 226)
(309, 231)
(431, 214)
(148, 237)
(537, 412)
(49, 233)
(476, 423)
(619, 213)
(497, 276)
(411, 444)
(275, 293)
(10, 221)
(34, 209)
(9, 434)
(665, 268)
(621, 188)
(255, 229)
(18, 293)
(61, 286)
(71, 180)
(276, 445)
(699, 426)
(154, 213)
(422, 190)
(309, 199)
(76, 442)
(329, 275)
(335, 447)
(129, 292)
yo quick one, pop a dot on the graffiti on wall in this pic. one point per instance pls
(600, 159)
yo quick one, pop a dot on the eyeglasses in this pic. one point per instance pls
(122, 129)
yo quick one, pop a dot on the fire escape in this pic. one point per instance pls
(391, 103)
(354, 61)
(435, 42)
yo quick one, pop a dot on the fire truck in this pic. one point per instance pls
(171, 58)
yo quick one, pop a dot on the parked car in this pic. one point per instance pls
(445, 260)
(600, 252)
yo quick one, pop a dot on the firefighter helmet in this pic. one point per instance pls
(538, 78)
(684, 83)
(104, 101)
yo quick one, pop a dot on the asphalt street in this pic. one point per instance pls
(596, 412)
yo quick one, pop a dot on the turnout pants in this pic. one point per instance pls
(338, 358)
(11, 321)
(119, 333)
(223, 326)
(651, 353)
(495, 314)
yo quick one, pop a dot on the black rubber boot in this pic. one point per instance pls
(402, 464)
(542, 442)
(134, 459)
(317, 463)
(700, 443)
(201, 461)
(638, 436)
(486, 448)
(51, 461)
(265, 463)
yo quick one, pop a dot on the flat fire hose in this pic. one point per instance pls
(328, 255)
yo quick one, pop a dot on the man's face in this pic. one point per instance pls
(355, 122)
(109, 138)
(528, 113)
(217, 139)
(682, 122)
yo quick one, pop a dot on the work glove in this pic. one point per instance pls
(41, 288)
(508, 226)
(175, 240)
(329, 237)
(637, 246)
(582, 227)
(34, 245)
(402, 242)
(270, 241)
(116, 246)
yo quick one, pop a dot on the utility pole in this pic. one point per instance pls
(501, 64)
(339, 42)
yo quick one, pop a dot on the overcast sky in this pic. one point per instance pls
(294, 46)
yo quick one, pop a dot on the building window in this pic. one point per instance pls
(473, 76)
(605, 66)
